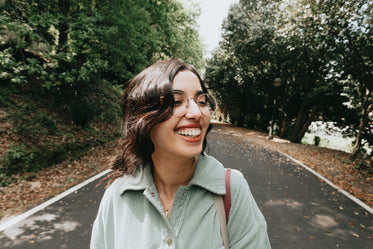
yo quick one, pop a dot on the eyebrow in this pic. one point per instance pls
(177, 91)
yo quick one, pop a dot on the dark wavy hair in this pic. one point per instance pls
(147, 101)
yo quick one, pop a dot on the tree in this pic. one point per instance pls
(351, 27)
(65, 50)
(290, 40)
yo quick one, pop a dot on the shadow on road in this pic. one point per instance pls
(302, 211)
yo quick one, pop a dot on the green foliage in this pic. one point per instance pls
(66, 63)
(4, 181)
(82, 111)
(316, 140)
(321, 51)
(61, 50)
(108, 104)
(30, 121)
(365, 163)
(17, 160)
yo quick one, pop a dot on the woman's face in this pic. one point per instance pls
(182, 136)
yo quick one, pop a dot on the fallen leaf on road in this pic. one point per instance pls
(352, 224)
(307, 217)
(356, 235)
(327, 231)
(312, 237)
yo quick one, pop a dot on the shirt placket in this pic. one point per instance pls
(168, 237)
(171, 227)
(179, 208)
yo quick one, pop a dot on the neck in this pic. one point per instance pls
(169, 174)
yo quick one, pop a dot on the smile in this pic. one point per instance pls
(190, 132)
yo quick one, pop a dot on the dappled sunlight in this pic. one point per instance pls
(36, 229)
(66, 226)
(292, 204)
(324, 221)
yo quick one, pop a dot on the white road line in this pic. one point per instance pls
(353, 198)
(13, 220)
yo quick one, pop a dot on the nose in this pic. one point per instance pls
(193, 110)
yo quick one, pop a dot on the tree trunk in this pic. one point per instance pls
(366, 109)
(304, 120)
(284, 126)
(64, 7)
(298, 126)
(308, 123)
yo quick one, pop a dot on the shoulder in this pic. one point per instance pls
(209, 161)
(209, 174)
(240, 190)
(238, 181)
(138, 180)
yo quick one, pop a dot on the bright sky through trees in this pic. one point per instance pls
(213, 13)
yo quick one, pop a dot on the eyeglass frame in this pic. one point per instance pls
(198, 95)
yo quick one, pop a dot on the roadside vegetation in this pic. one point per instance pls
(63, 68)
(64, 65)
(297, 62)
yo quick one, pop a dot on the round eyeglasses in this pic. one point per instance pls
(205, 102)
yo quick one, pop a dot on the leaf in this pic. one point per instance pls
(312, 237)
(356, 235)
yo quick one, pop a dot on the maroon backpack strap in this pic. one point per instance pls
(227, 196)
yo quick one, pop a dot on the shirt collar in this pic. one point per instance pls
(209, 174)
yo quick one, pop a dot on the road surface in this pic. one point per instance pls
(302, 211)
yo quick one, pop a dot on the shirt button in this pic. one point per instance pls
(169, 241)
(153, 194)
(184, 193)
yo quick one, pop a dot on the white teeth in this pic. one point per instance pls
(190, 132)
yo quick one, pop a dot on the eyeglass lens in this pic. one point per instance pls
(205, 102)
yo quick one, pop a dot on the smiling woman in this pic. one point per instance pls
(162, 189)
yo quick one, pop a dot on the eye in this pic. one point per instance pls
(178, 100)
(202, 103)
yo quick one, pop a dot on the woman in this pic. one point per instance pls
(162, 187)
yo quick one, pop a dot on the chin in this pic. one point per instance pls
(193, 153)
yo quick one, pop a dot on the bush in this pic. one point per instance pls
(17, 160)
(316, 140)
(30, 121)
(82, 111)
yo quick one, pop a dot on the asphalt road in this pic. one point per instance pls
(302, 211)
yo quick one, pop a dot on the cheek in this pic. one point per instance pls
(206, 123)
(162, 131)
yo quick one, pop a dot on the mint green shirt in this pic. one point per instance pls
(131, 214)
